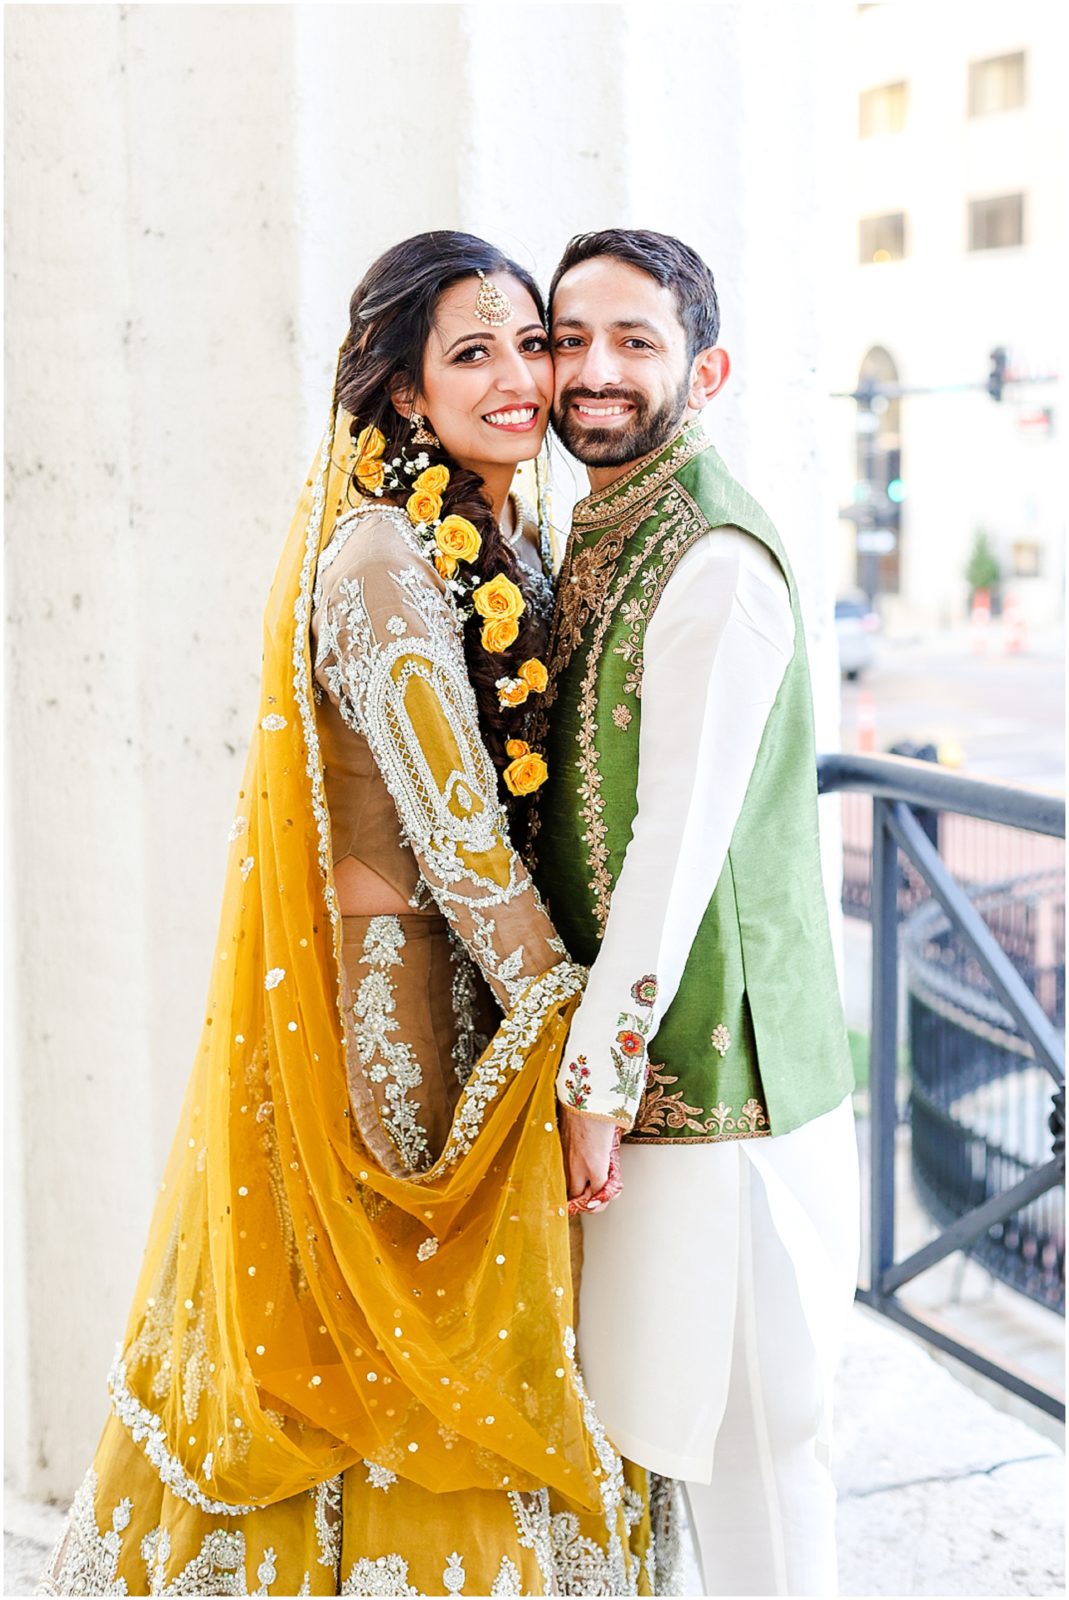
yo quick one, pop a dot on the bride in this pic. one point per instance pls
(349, 1366)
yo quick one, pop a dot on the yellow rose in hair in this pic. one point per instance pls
(369, 444)
(526, 774)
(517, 747)
(499, 633)
(444, 565)
(499, 598)
(370, 475)
(422, 506)
(534, 675)
(512, 692)
(459, 538)
(431, 481)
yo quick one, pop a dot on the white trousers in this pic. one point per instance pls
(715, 1294)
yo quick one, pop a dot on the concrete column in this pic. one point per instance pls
(151, 439)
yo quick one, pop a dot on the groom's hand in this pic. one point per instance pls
(589, 1147)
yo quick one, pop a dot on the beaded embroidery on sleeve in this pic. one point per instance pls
(390, 653)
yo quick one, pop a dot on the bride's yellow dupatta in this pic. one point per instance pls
(304, 1305)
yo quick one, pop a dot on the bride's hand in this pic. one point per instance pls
(591, 1161)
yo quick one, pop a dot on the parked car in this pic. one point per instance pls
(856, 626)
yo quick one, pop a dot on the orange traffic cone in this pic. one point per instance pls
(1014, 627)
(866, 723)
(980, 617)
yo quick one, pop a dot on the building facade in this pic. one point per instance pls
(958, 202)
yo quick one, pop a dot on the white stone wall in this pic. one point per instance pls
(193, 193)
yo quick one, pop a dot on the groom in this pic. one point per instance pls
(676, 843)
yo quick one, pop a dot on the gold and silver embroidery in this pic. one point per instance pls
(386, 1060)
(457, 828)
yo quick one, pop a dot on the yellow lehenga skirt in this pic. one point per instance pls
(418, 1017)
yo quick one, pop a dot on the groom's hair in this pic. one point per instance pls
(673, 264)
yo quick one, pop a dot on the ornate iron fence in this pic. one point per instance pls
(986, 1003)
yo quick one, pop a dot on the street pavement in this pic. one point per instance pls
(1004, 714)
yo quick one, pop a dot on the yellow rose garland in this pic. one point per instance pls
(432, 480)
(511, 692)
(499, 633)
(370, 444)
(422, 506)
(526, 772)
(459, 538)
(499, 602)
(534, 675)
(370, 472)
(499, 598)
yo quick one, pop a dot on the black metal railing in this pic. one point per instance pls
(990, 1198)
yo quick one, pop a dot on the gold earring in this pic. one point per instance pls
(421, 433)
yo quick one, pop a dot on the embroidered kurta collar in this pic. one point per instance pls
(643, 479)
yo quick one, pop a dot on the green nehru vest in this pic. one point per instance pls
(754, 1041)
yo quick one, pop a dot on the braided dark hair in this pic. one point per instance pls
(391, 317)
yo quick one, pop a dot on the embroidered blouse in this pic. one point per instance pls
(410, 787)
(715, 654)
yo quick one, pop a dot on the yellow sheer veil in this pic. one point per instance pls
(303, 1304)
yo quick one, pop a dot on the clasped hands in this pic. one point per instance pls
(591, 1161)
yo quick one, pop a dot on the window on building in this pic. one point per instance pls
(882, 110)
(882, 238)
(996, 223)
(996, 84)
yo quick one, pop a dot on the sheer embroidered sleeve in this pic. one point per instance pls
(390, 654)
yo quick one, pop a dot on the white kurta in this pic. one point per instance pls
(715, 1290)
(715, 653)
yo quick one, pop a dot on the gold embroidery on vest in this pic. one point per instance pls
(680, 524)
(641, 482)
(586, 575)
(661, 1111)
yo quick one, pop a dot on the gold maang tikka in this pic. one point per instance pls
(492, 305)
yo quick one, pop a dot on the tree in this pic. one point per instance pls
(982, 570)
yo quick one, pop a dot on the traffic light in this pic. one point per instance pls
(996, 377)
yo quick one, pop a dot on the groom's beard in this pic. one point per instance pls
(646, 431)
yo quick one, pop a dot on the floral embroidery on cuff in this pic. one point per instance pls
(629, 1048)
(577, 1083)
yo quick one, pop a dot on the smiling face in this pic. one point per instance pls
(623, 377)
(487, 391)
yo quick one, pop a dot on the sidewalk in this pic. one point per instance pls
(940, 1494)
